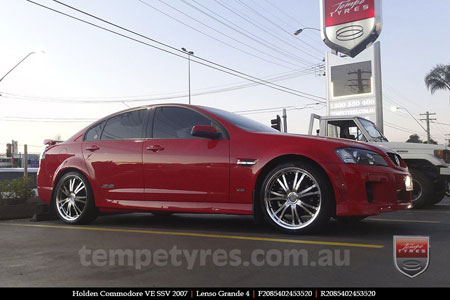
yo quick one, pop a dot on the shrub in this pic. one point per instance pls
(16, 191)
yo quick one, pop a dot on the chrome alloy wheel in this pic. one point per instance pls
(71, 198)
(292, 198)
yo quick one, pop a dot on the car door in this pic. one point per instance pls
(179, 167)
(113, 155)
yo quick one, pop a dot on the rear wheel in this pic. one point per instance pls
(73, 199)
(423, 193)
(296, 197)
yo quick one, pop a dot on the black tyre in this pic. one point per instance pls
(423, 193)
(73, 199)
(447, 188)
(296, 197)
(440, 189)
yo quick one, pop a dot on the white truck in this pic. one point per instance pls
(428, 164)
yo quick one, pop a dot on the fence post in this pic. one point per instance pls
(25, 157)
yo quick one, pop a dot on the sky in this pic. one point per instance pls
(54, 95)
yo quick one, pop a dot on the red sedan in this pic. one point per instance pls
(180, 158)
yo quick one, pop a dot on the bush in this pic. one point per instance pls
(16, 191)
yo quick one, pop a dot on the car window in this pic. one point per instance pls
(240, 121)
(177, 123)
(128, 125)
(94, 133)
(345, 129)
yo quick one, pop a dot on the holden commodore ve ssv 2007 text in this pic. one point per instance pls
(180, 158)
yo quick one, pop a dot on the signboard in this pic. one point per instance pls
(354, 85)
(411, 254)
(350, 26)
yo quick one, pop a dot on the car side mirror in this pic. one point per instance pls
(205, 131)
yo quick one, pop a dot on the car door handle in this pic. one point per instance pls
(155, 148)
(93, 148)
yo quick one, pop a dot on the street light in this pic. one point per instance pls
(395, 108)
(303, 29)
(189, 53)
(28, 55)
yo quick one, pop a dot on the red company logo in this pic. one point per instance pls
(411, 254)
(345, 11)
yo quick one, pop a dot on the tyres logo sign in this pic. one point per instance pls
(411, 254)
(350, 26)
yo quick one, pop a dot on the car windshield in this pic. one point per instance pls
(240, 121)
(373, 131)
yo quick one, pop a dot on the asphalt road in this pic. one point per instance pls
(186, 250)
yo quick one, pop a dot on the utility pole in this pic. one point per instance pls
(428, 119)
(284, 120)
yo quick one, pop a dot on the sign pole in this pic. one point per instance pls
(378, 87)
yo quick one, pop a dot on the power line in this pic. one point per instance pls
(146, 98)
(296, 21)
(304, 62)
(289, 33)
(265, 41)
(212, 37)
(273, 23)
(200, 60)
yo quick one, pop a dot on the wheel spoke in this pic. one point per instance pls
(309, 194)
(65, 191)
(293, 214)
(305, 209)
(283, 211)
(277, 194)
(295, 181)
(282, 185)
(297, 216)
(285, 182)
(71, 184)
(299, 182)
(76, 209)
(79, 188)
(309, 205)
(284, 206)
(276, 199)
(307, 190)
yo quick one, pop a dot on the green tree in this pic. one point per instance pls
(414, 138)
(431, 142)
(438, 78)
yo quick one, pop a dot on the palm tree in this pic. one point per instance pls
(438, 78)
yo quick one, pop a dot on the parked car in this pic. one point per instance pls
(428, 164)
(180, 158)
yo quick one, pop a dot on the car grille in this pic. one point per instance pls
(447, 156)
(396, 159)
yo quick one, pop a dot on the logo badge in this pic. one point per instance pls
(411, 254)
(350, 26)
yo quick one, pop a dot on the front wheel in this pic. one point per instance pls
(296, 197)
(73, 199)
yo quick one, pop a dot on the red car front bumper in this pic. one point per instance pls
(368, 190)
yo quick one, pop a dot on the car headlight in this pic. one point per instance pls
(360, 156)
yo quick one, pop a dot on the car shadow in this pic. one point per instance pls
(366, 230)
